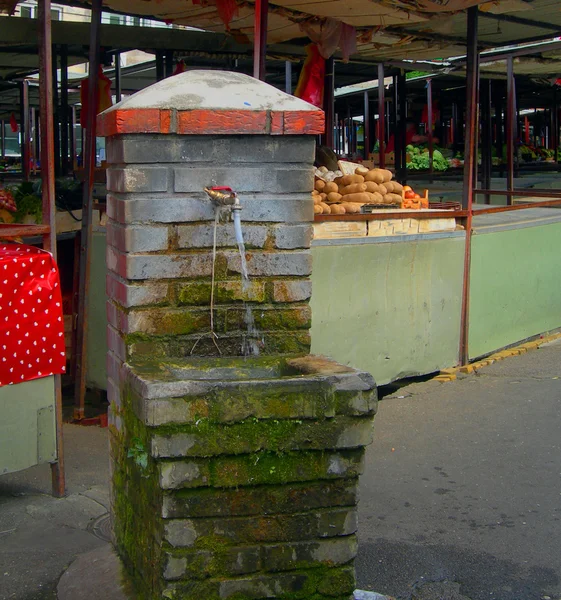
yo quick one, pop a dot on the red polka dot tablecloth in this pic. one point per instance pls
(31, 321)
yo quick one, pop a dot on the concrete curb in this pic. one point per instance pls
(450, 374)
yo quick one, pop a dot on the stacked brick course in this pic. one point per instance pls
(233, 478)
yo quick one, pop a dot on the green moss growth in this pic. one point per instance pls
(136, 498)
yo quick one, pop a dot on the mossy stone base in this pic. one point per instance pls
(239, 489)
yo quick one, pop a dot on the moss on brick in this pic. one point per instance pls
(253, 435)
(136, 498)
(271, 468)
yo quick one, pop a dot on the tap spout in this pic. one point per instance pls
(223, 196)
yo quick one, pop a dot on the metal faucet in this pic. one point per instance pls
(224, 196)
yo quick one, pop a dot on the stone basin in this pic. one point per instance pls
(161, 388)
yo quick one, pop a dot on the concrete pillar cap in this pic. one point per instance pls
(211, 103)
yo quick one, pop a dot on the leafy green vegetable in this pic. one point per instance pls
(420, 160)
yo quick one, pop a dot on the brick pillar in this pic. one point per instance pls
(232, 478)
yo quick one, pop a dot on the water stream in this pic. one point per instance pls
(251, 341)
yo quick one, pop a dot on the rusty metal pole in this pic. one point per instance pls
(86, 234)
(48, 178)
(25, 130)
(329, 101)
(401, 111)
(118, 91)
(288, 77)
(73, 138)
(381, 116)
(169, 63)
(260, 38)
(159, 65)
(56, 113)
(510, 116)
(486, 138)
(556, 127)
(472, 77)
(64, 111)
(366, 126)
(429, 129)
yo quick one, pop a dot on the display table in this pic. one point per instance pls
(31, 354)
(31, 322)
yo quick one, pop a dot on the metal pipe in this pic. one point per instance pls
(73, 141)
(329, 101)
(556, 127)
(86, 234)
(33, 139)
(532, 193)
(169, 63)
(3, 139)
(25, 129)
(472, 77)
(486, 137)
(48, 192)
(260, 38)
(349, 132)
(118, 92)
(526, 205)
(510, 115)
(64, 110)
(56, 113)
(429, 129)
(288, 77)
(159, 65)
(401, 164)
(381, 116)
(366, 126)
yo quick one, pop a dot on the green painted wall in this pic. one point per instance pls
(27, 424)
(515, 286)
(96, 375)
(392, 309)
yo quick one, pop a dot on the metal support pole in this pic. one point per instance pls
(33, 139)
(73, 141)
(118, 93)
(366, 126)
(56, 113)
(64, 110)
(159, 65)
(486, 138)
(499, 124)
(400, 136)
(288, 77)
(169, 63)
(510, 116)
(48, 178)
(260, 38)
(349, 132)
(86, 234)
(429, 129)
(556, 127)
(25, 129)
(381, 116)
(329, 101)
(3, 139)
(472, 77)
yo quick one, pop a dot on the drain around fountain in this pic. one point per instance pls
(101, 527)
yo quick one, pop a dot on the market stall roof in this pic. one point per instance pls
(387, 29)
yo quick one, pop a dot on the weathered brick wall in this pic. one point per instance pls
(160, 236)
(238, 484)
(251, 488)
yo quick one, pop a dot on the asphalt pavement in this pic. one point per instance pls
(460, 499)
(463, 484)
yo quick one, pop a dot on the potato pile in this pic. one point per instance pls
(346, 194)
